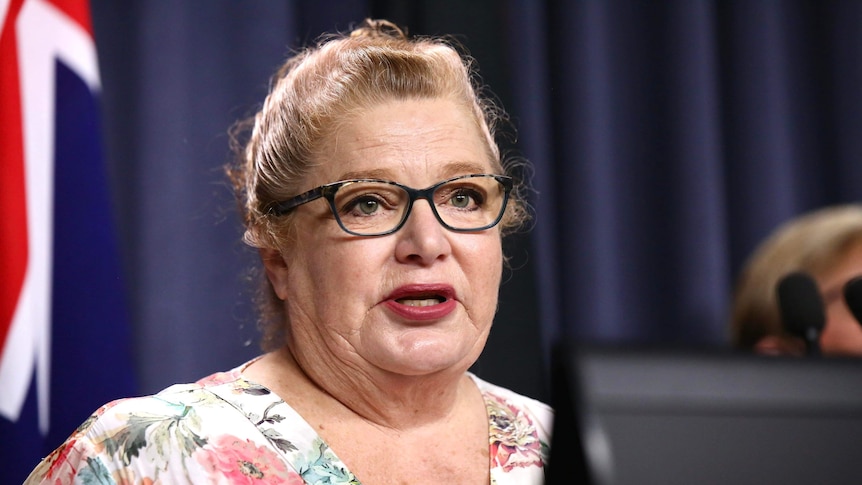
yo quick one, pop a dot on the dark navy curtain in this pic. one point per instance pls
(667, 138)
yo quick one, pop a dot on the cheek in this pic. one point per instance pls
(838, 317)
(330, 269)
(843, 332)
(483, 267)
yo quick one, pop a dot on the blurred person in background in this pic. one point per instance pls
(827, 245)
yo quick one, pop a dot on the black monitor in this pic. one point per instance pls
(674, 416)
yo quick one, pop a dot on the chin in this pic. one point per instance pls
(425, 361)
(429, 370)
(427, 351)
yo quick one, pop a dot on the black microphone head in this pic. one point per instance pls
(853, 297)
(801, 304)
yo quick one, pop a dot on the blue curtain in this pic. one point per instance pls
(667, 138)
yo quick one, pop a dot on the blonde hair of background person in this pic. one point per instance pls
(825, 243)
(373, 188)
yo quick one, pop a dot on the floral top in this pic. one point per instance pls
(225, 429)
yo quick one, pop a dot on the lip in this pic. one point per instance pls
(417, 291)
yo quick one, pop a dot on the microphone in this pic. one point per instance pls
(853, 297)
(802, 310)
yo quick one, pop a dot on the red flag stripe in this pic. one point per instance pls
(13, 224)
(76, 10)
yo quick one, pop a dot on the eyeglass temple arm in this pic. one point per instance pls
(282, 208)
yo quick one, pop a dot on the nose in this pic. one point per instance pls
(422, 239)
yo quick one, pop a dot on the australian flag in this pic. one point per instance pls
(64, 327)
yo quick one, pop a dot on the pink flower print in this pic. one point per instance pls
(217, 379)
(514, 440)
(62, 464)
(244, 462)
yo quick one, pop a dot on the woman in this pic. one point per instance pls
(378, 296)
(827, 244)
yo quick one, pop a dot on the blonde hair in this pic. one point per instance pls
(312, 93)
(814, 243)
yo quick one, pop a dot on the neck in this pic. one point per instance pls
(384, 399)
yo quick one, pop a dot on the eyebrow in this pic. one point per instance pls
(452, 169)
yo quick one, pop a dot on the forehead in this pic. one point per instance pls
(409, 141)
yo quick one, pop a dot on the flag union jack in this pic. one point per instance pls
(63, 322)
(27, 298)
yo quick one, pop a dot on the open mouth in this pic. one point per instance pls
(420, 301)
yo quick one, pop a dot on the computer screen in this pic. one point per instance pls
(627, 415)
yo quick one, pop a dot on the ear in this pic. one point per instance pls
(276, 270)
(780, 345)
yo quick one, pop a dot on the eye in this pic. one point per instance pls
(465, 198)
(461, 199)
(365, 205)
(362, 200)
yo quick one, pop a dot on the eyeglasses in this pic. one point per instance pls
(370, 207)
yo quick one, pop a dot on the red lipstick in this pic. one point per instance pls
(422, 302)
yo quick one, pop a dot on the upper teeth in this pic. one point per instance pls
(425, 302)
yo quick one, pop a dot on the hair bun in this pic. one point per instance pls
(379, 28)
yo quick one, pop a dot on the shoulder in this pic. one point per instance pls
(173, 433)
(519, 431)
(176, 401)
(541, 413)
(181, 404)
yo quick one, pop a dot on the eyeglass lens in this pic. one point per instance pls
(368, 208)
